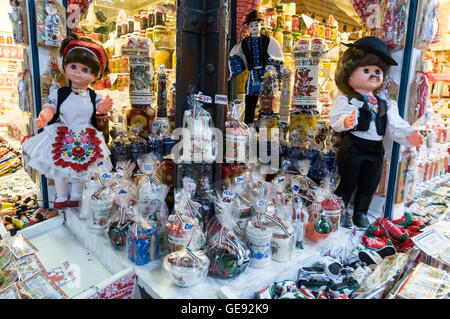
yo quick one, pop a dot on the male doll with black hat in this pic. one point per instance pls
(254, 53)
(365, 115)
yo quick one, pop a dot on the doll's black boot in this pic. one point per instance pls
(362, 203)
(346, 220)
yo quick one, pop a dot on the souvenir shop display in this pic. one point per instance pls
(278, 230)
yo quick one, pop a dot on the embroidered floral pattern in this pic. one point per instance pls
(79, 92)
(51, 102)
(77, 151)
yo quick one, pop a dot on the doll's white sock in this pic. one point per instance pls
(77, 189)
(62, 190)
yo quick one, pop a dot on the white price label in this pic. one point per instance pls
(147, 167)
(221, 99)
(239, 179)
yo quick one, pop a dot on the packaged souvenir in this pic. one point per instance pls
(101, 203)
(259, 238)
(284, 234)
(142, 244)
(269, 89)
(203, 142)
(236, 137)
(118, 227)
(227, 253)
(188, 266)
(122, 184)
(179, 230)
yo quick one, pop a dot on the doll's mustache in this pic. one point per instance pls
(372, 76)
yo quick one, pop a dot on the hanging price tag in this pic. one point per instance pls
(221, 99)
(203, 98)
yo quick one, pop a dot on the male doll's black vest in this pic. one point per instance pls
(365, 116)
(63, 94)
(264, 55)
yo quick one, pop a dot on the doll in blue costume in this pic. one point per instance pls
(254, 53)
(365, 115)
(71, 145)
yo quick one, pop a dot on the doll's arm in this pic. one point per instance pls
(399, 129)
(343, 115)
(104, 106)
(236, 62)
(44, 117)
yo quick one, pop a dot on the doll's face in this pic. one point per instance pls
(366, 79)
(254, 27)
(80, 75)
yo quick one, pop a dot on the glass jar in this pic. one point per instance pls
(149, 33)
(316, 29)
(288, 23)
(160, 16)
(162, 56)
(280, 18)
(137, 22)
(321, 30)
(327, 32)
(333, 36)
(159, 33)
(144, 19)
(287, 42)
(278, 35)
(295, 24)
(151, 19)
(137, 117)
(130, 25)
(271, 18)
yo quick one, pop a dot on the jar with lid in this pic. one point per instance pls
(316, 29)
(280, 18)
(159, 33)
(160, 16)
(271, 18)
(295, 24)
(151, 18)
(278, 35)
(137, 22)
(288, 22)
(322, 30)
(144, 19)
(287, 42)
(130, 25)
(333, 36)
(327, 32)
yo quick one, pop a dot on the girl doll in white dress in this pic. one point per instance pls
(71, 146)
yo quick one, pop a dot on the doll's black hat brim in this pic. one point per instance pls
(253, 16)
(375, 46)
